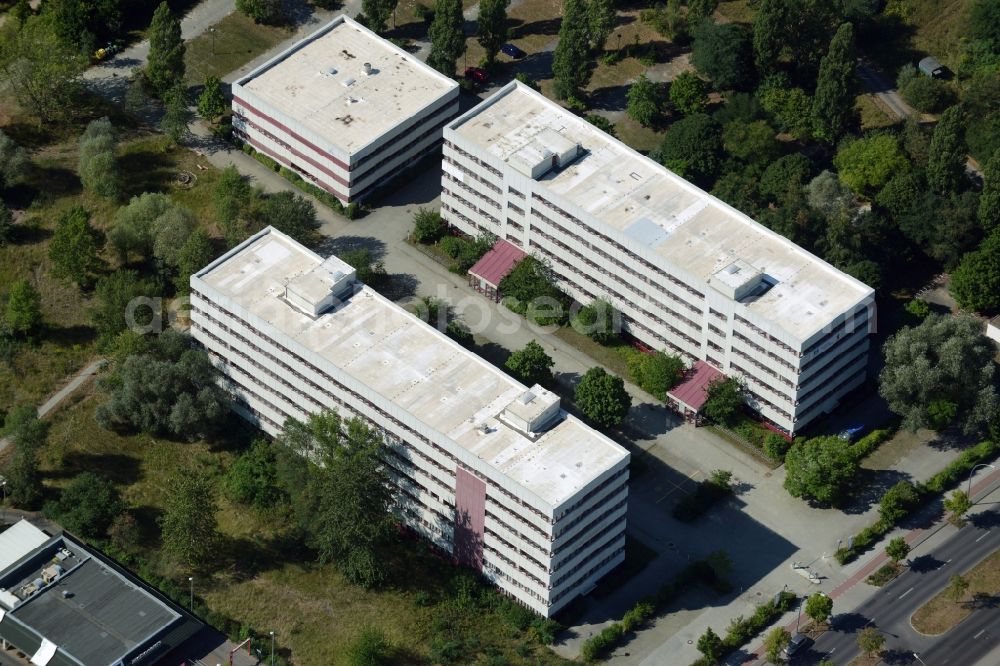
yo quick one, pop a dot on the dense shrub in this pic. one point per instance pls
(704, 497)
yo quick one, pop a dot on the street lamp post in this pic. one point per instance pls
(272, 648)
(212, 31)
(972, 473)
(917, 657)
(4, 485)
(191, 581)
(799, 618)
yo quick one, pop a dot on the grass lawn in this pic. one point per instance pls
(735, 11)
(148, 162)
(237, 40)
(613, 357)
(313, 611)
(872, 114)
(941, 613)
(642, 139)
(939, 26)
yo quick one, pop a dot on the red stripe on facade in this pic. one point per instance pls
(295, 152)
(470, 518)
(284, 162)
(283, 128)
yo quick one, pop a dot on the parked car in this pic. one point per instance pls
(477, 74)
(513, 51)
(852, 432)
(798, 643)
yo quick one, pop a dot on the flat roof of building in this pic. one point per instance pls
(83, 608)
(18, 540)
(415, 367)
(321, 83)
(660, 210)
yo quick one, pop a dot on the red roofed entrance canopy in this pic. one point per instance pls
(485, 276)
(690, 395)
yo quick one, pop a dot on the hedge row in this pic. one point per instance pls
(866, 446)
(351, 211)
(742, 630)
(948, 477)
(613, 635)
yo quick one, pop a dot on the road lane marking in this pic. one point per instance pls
(985, 534)
(906, 593)
(981, 632)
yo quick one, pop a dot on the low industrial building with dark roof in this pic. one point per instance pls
(64, 604)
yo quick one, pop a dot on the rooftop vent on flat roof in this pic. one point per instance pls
(348, 82)
(368, 68)
(532, 411)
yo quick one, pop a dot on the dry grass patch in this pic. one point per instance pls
(236, 40)
(873, 116)
(642, 139)
(942, 613)
(534, 24)
(735, 11)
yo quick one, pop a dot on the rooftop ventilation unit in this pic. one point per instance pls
(368, 68)
(348, 82)
(532, 411)
(318, 289)
(547, 150)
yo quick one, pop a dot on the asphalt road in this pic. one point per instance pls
(890, 609)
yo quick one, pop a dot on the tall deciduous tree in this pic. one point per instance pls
(724, 53)
(189, 529)
(447, 36)
(165, 66)
(724, 400)
(957, 505)
(211, 101)
(643, 98)
(602, 398)
(819, 606)
(342, 498)
(378, 12)
(42, 72)
(24, 308)
(27, 432)
(114, 294)
(710, 645)
(602, 22)
(194, 254)
(871, 641)
(769, 33)
(897, 549)
(867, 164)
(833, 104)
(989, 201)
(13, 161)
(975, 284)
(699, 9)
(531, 364)
(692, 147)
(88, 505)
(775, 641)
(570, 61)
(176, 116)
(688, 93)
(491, 27)
(820, 468)
(74, 247)
(290, 213)
(946, 160)
(151, 224)
(97, 163)
(943, 359)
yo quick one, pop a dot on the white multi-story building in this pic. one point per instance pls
(489, 469)
(344, 108)
(689, 273)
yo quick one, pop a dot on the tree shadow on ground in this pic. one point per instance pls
(147, 520)
(951, 439)
(399, 286)
(610, 98)
(544, 27)
(492, 352)
(340, 245)
(848, 623)
(925, 564)
(66, 336)
(985, 521)
(870, 486)
(121, 469)
(898, 656)
(149, 171)
(53, 182)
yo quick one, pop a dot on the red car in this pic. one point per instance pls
(477, 74)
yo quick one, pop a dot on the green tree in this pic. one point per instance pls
(829, 196)
(958, 504)
(819, 607)
(957, 587)
(88, 505)
(196, 253)
(897, 549)
(97, 163)
(724, 53)
(253, 477)
(783, 181)
(231, 197)
(370, 648)
(74, 247)
(833, 104)
(491, 27)
(975, 284)
(344, 506)
(602, 21)
(570, 62)
(529, 289)
(897, 502)
(926, 94)
(189, 529)
(6, 224)
(643, 101)
(946, 160)
(601, 123)
(820, 468)
(171, 389)
(751, 142)
(602, 398)
(989, 201)
(291, 214)
(165, 65)
(24, 309)
(710, 645)
(378, 12)
(42, 72)
(23, 427)
(699, 9)
(944, 358)
(447, 36)
(211, 101)
(531, 364)
(770, 33)
(151, 224)
(14, 162)
(367, 267)
(692, 148)
(724, 400)
(689, 93)
(600, 321)
(27, 433)
(791, 107)
(775, 641)
(984, 22)
(867, 164)
(871, 641)
(656, 373)
(176, 115)
(21, 12)
(428, 226)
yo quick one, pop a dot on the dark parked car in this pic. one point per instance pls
(513, 51)
(852, 432)
(798, 643)
(477, 74)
